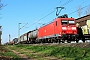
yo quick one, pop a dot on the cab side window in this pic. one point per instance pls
(56, 23)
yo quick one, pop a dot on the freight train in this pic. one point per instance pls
(61, 30)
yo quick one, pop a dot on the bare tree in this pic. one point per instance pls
(1, 5)
(79, 11)
(87, 10)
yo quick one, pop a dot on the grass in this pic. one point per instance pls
(6, 52)
(65, 53)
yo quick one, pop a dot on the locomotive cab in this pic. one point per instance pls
(66, 28)
(69, 30)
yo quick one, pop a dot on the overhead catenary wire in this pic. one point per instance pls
(23, 26)
(55, 10)
(43, 17)
(51, 12)
(67, 2)
(52, 7)
(46, 15)
(80, 9)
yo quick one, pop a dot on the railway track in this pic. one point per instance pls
(82, 45)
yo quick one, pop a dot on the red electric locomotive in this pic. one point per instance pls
(60, 30)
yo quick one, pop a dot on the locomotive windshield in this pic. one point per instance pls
(68, 22)
(64, 22)
(71, 21)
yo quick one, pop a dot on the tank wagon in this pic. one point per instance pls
(29, 37)
(32, 36)
(60, 30)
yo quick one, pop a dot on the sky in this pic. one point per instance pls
(35, 13)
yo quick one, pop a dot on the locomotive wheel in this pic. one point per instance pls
(41, 40)
(56, 41)
(46, 40)
(63, 41)
(77, 41)
(59, 40)
(83, 41)
(68, 41)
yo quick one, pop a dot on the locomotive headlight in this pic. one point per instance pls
(64, 28)
(73, 28)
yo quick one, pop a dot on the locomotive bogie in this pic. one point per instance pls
(31, 36)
